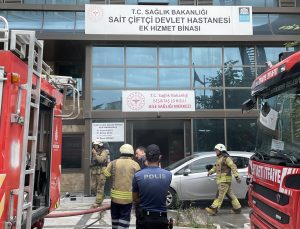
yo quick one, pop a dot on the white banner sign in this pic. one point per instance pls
(108, 131)
(140, 101)
(168, 20)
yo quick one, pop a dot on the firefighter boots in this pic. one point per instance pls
(236, 211)
(211, 210)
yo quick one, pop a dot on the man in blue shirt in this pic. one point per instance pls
(150, 187)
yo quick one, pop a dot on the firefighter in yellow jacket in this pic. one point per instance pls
(99, 161)
(224, 169)
(121, 172)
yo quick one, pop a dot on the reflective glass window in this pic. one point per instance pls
(173, 56)
(174, 78)
(141, 78)
(108, 78)
(209, 99)
(236, 97)
(206, 56)
(239, 56)
(59, 20)
(272, 3)
(277, 22)
(206, 133)
(61, 2)
(239, 76)
(108, 56)
(207, 77)
(256, 3)
(34, 1)
(107, 100)
(82, 2)
(241, 134)
(138, 56)
(80, 21)
(3, 13)
(264, 54)
(261, 24)
(25, 19)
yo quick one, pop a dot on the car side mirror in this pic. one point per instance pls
(248, 105)
(209, 167)
(186, 172)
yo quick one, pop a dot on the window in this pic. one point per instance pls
(59, 20)
(239, 76)
(206, 133)
(241, 134)
(198, 166)
(236, 97)
(139, 56)
(107, 100)
(206, 56)
(106, 56)
(141, 78)
(208, 77)
(174, 78)
(209, 99)
(25, 19)
(174, 57)
(239, 56)
(108, 78)
(240, 162)
(71, 151)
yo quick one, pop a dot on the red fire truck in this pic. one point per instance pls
(274, 170)
(30, 132)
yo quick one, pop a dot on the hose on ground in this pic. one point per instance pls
(82, 212)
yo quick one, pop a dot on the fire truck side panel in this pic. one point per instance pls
(272, 202)
(12, 134)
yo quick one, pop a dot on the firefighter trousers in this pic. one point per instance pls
(120, 215)
(224, 189)
(98, 183)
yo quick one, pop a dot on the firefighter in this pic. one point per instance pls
(121, 172)
(223, 168)
(100, 158)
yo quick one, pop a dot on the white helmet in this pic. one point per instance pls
(98, 142)
(220, 147)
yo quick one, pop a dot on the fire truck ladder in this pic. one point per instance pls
(20, 40)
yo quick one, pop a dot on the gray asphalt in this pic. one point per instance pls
(187, 217)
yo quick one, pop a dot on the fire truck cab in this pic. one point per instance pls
(31, 103)
(274, 169)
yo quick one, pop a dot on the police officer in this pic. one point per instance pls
(224, 167)
(121, 171)
(150, 187)
(99, 160)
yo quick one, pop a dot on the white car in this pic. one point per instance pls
(190, 181)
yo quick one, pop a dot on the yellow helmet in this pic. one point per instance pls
(220, 147)
(126, 149)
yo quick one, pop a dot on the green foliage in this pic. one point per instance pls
(291, 27)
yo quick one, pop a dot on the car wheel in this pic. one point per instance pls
(171, 198)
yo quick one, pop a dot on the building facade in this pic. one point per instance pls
(219, 69)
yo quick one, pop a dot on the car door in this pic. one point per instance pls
(195, 185)
(242, 165)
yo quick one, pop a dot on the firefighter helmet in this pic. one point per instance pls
(126, 149)
(98, 142)
(220, 147)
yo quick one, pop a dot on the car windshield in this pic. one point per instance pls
(279, 128)
(180, 162)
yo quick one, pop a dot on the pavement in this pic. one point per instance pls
(190, 217)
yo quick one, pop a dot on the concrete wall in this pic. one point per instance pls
(72, 182)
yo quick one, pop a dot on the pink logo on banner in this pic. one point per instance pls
(136, 101)
(95, 13)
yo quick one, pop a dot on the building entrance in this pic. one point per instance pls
(172, 136)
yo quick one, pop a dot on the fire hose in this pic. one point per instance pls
(82, 212)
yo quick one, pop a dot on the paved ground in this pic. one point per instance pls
(196, 214)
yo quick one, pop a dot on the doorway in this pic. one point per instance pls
(172, 136)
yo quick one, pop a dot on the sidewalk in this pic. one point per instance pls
(191, 216)
(74, 204)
